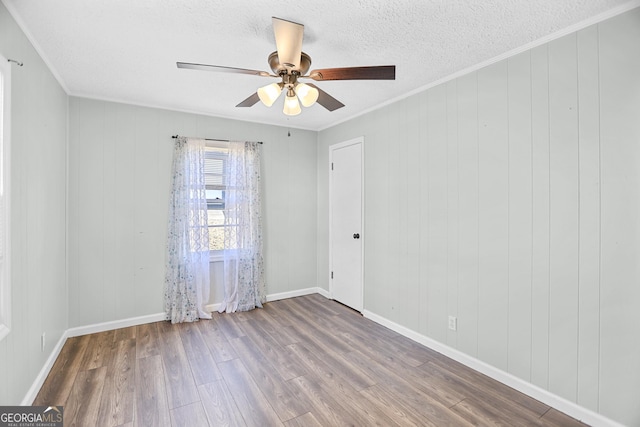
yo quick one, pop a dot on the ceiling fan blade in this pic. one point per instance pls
(250, 101)
(288, 41)
(383, 72)
(219, 68)
(326, 100)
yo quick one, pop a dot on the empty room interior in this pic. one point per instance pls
(407, 212)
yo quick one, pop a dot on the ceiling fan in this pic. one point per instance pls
(290, 64)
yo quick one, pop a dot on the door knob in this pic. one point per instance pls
(356, 236)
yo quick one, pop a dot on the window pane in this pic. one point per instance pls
(213, 165)
(215, 216)
(216, 229)
(216, 238)
(214, 194)
(214, 169)
(215, 199)
(215, 159)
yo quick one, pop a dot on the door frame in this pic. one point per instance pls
(332, 148)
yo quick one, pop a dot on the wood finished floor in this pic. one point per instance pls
(304, 361)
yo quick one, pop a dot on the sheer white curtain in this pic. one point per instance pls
(187, 277)
(244, 286)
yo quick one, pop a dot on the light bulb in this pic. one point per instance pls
(308, 95)
(268, 94)
(291, 105)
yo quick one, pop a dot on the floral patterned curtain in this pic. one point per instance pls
(187, 277)
(244, 286)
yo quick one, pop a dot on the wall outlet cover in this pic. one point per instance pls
(453, 323)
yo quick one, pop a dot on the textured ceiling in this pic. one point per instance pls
(126, 50)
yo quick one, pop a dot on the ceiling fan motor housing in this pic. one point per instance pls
(278, 68)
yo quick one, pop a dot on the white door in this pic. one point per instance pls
(345, 223)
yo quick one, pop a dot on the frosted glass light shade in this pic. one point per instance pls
(291, 106)
(268, 94)
(308, 95)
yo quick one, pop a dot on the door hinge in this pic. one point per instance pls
(332, 274)
(331, 165)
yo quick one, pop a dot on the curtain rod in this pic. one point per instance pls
(213, 139)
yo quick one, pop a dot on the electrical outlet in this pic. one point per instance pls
(453, 323)
(43, 341)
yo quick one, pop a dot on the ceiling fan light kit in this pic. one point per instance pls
(291, 104)
(269, 93)
(308, 95)
(289, 64)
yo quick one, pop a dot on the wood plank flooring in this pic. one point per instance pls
(304, 361)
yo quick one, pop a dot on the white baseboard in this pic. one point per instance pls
(150, 318)
(293, 294)
(279, 296)
(210, 308)
(42, 375)
(124, 323)
(115, 324)
(323, 292)
(561, 404)
(74, 332)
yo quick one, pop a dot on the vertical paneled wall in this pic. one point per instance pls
(509, 198)
(619, 214)
(38, 207)
(119, 175)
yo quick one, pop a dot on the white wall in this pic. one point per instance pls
(510, 198)
(38, 181)
(119, 174)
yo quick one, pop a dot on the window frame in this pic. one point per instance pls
(5, 193)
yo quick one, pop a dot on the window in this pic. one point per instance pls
(5, 273)
(215, 162)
